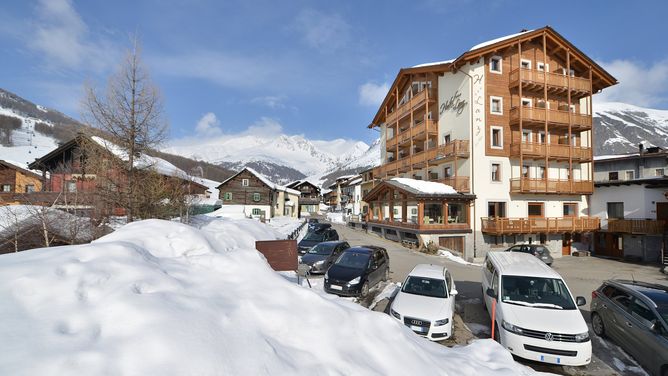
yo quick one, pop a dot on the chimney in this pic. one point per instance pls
(640, 148)
(641, 160)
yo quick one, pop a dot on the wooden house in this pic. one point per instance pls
(309, 196)
(16, 181)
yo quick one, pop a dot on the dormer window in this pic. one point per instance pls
(540, 66)
(495, 64)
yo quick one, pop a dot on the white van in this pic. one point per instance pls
(536, 317)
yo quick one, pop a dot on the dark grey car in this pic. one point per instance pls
(634, 315)
(322, 255)
(538, 250)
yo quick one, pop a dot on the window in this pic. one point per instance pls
(495, 64)
(256, 197)
(71, 186)
(542, 104)
(6, 188)
(395, 212)
(496, 172)
(526, 102)
(496, 105)
(541, 137)
(244, 182)
(570, 210)
(542, 66)
(496, 209)
(446, 139)
(641, 311)
(571, 71)
(525, 171)
(30, 188)
(227, 196)
(525, 64)
(574, 140)
(616, 210)
(629, 175)
(526, 136)
(497, 137)
(572, 108)
(613, 175)
(257, 211)
(456, 213)
(660, 172)
(541, 172)
(414, 211)
(535, 209)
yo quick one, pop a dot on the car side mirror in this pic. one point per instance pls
(580, 301)
(490, 292)
(453, 292)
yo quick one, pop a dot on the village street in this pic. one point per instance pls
(582, 275)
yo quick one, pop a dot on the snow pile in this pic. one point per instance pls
(450, 256)
(164, 298)
(335, 217)
(229, 211)
(427, 187)
(285, 225)
(18, 219)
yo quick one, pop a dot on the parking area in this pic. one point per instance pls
(582, 274)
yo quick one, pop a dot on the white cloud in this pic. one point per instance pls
(264, 127)
(208, 125)
(324, 32)
(371, 94)
(63, 38)
(271, 101)
(639, 84)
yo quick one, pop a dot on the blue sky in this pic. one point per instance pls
(315, 68)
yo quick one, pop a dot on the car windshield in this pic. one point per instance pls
(425, 286)
(536, 292)
(321, 249)
(353, 260)
(317, 236)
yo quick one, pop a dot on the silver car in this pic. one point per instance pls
(635, 316)
(538, 250)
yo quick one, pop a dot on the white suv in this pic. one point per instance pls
(536, 317)
(426, 302)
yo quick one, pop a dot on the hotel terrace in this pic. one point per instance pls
(509, 123)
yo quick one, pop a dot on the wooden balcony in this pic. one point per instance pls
(537, 115)
(501, 226)
(458, 148)
(422, 226)
(459, 183)
(552, 151)
(419, 99)
(557, 84)
(638, 226)
(558, 186)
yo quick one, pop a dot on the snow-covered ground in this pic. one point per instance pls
(335, 217)
(164, 298)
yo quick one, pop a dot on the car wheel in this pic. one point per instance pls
(365, 289)
(597, 324)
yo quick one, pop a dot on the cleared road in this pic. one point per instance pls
(582, 275)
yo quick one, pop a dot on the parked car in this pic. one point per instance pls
(635, 316)
(314, 237)
(426, 302)
(357, 270)
(538, 250)
(318, 226)
(536, 316)
(321, 256)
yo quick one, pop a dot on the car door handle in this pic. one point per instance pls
(629, 324)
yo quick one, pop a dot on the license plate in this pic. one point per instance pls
(549, 359)
(335, 287)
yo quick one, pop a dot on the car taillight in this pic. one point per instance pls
(594, 294)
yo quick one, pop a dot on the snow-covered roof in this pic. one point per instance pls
(426, 187)
(434, 63)
(66, 226)
(264, 180)
(497, 40)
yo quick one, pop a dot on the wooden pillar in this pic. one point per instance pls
(404, 209)
(444, 211)
(420, 213)
(546, 147)
(591, 132)
(391, 205)
(396, 128)
(519, 52)
(570, 120)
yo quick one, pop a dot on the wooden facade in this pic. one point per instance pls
(17, 180)
(309, 195)
(245, 188)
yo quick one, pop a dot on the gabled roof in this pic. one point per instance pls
(19, 169)
(264, 180)
(418, 189)
(491, 46)
(298, 183)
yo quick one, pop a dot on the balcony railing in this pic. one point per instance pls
(459, 183)
(556, 151)
(529, 185)
(555, 81)
(638, 226)
(417, 100)
(412, 225)
(459, 148)
(554, 117)
(500, 226)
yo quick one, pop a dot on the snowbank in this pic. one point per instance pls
(164, 298)
(427, 187)
(452, 257)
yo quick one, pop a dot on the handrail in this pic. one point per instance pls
(498, 225)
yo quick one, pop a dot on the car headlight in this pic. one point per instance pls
(318, 263)
(582, 337)
(512, 328)
(355, 281)
(441, 322)
(395, 314)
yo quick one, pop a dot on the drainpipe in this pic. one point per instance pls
(472, 159)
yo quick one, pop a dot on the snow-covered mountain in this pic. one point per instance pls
(283, 158)
(620, 127)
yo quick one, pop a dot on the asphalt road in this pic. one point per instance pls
(582, 275)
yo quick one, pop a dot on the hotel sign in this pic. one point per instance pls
(455, 103)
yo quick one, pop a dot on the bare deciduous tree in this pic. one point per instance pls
(131, 113)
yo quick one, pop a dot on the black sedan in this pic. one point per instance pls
(322, 255)
(314, 237)
(357, 270)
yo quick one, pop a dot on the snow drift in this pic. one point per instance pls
(163, 298)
